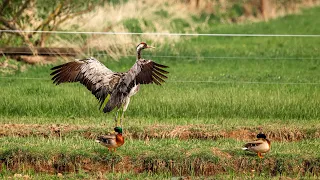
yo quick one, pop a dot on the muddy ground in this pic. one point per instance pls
(282, 134)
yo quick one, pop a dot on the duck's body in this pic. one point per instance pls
(112, 141)
(259, 146)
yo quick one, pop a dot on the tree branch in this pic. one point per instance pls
(23, 7)
(57, 23)
(6, 23)
(4, 4)
(3, 27)
(50, 17)
(23, 35)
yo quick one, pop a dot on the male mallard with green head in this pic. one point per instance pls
(260, 145)
(112, 141)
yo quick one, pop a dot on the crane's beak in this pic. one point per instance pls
(150, 47)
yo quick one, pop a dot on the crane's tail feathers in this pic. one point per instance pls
(111, 104)
(104, 101)
(116, 98)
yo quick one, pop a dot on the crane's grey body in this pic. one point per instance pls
(103, 82)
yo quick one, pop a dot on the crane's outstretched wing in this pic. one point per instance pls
(90, 72)
(150, 72)
(142, 72)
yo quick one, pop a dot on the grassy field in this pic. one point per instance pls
(221, 92)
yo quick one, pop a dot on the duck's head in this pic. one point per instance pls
(118, 130)
(261, 135)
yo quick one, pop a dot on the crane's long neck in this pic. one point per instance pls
(139, 49)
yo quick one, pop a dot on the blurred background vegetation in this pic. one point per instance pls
(221, 91)
(178, 16)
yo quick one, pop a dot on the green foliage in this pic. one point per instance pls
(209, 18)
(179, 25)
(39, 15)
(236, 11)
(133, 25)
(116, 1)
(265, 60)
(162, 13)
(45, 7)
(149, 24)
(260, 90)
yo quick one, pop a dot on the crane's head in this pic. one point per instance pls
(261, 135)
(118, 130)
(143, 45)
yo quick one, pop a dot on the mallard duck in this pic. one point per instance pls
(260, 145)
(112, 141)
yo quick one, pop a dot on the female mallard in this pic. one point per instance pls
(260, 145)
(112, 141)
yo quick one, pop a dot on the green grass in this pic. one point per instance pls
(204, 100)
(273, 86)
(184, 156)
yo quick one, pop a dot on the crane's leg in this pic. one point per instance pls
(124, 108)
(122, 116)
(116, 118)
(119, 123)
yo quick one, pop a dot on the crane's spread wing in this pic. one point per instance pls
(150, 72)
(142, 72)
(90, 72)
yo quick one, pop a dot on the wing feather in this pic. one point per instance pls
(150, 72)
(89, 72)
(159, 65)
(253, 143)
(160, 70)
(155, 77)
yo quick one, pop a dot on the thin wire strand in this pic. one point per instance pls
(162, 34)
(182, 57)
(246, 82)
(217, 57)
(183, 81)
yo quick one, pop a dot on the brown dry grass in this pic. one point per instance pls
(21, 162)
(281, 134)
(111, 17)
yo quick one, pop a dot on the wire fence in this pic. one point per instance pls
(191, 81)
(189, 57)
(184, 57)
(172, 34)
(162, 34)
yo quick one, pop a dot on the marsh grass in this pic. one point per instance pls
(172, 156)
(164, 16)
(194, 100)
(279, 91)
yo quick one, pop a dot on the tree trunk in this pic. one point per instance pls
(264, 8)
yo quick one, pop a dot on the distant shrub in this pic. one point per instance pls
(133, 25)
